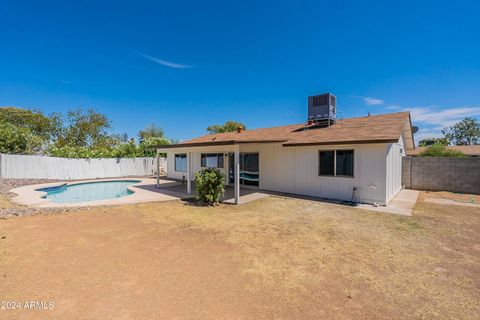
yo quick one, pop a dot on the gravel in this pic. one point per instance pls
(9, 184)
(19, 210)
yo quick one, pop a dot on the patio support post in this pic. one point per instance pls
(189, 186)
(237, 176)
(158, 170)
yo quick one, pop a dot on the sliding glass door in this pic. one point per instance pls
(249, 169)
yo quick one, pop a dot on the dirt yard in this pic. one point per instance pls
(274, 258)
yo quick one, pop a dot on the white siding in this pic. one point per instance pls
(395, 151)
(295, 170)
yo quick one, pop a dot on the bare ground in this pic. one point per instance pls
(273, 258)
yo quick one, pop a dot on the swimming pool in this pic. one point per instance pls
(88, 191)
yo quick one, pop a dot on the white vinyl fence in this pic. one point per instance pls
(41, 167)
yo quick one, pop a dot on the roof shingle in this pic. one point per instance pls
(375, 128)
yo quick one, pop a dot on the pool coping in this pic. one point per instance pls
(32, 197)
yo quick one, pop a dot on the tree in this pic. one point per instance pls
(229, 126)
(465, 132)
(77, 134)
(127, 150)
(18, 140)
(147, 146)
(151, 131)
(84, 128)
(431, 141)
(35, 121)
(440, 150)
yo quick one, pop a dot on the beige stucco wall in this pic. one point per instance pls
(295, 170)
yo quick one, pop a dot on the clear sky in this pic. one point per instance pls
(185, 65)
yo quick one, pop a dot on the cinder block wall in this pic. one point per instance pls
(442, 174)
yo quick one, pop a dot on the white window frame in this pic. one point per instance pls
(175, 161)
(219, 155)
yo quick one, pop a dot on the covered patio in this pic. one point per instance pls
(229, 155)
(179, 189)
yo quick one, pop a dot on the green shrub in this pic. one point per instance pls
(209, 185)
(80, 152)
(18, 140)
(440, 150)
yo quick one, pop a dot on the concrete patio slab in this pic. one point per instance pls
(402, 203)
(144, 191)
(246, 194)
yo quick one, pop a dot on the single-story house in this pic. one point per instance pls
(357, 159)
(469, 151)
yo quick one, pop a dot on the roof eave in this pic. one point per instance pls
(326, 143)
(213, 143)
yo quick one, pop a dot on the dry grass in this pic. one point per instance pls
(420, 266)
(5, 203)
(323, 260)
(459, 197)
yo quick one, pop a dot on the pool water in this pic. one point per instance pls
(89, 191)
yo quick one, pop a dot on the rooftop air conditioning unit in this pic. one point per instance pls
(322, 107)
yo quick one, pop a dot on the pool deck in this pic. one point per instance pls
(144, 191)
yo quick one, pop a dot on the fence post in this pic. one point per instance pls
(158, 170)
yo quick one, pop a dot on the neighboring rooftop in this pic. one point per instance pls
(385, 128)
(472, 151)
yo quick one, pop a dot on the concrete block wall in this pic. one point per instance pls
(442, 174)
(406, 169)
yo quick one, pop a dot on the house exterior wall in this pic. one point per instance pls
(194, 162)
(395, 152)
(295, 170)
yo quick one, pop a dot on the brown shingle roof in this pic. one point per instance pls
(467, 150)
(375, 128)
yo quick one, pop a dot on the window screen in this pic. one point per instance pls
(344, 166)
(211, 160)
(181, 162)
(326, 163)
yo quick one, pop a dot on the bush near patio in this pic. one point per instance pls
(209, 185)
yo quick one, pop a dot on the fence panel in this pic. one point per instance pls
(442, 174)
(41, 167)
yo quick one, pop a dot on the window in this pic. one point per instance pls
(344, 163)
(327, 163)
(181, 162)
(211, 160)
(337, 163)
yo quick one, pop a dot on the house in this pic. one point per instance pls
(469, 151)
(356, 158)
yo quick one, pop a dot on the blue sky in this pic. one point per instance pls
(185, 65)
